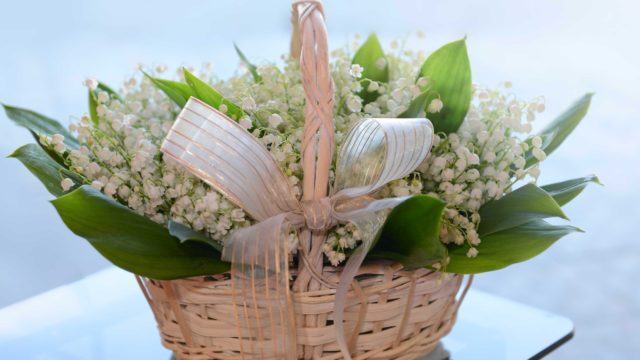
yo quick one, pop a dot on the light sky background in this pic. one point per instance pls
(556, 48)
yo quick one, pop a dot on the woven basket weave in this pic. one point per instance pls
(389, 314)
(394, 314)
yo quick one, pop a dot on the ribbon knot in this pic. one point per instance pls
(319, 214)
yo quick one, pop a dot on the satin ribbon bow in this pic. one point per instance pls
(216, 149)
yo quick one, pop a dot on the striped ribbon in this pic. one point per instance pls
(216, 149)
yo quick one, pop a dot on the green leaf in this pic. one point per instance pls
(39, 124)
(368, 56)
(134, 242)
(417, 106)
(185, 233)
(411, 234)
(47, 170)
(178, 92)
(507, 247)
(110, 91)
(93, 100)
(518, 207)
(449, 74)
(252, 68)
(211, 96)
(93, 104)
(559, 129)
(565, 191)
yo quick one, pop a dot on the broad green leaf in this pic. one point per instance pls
(507, 247)
(178, 92)
(39, 124)
(449, 75)
(47, 170)
(559, 129)
(565, 191)
(252, 68)
(134, 242)
(211, 96)
(518, 207)
(417, 106)
(411, 234)
(93, 100)
(185, 233)
(376, 68)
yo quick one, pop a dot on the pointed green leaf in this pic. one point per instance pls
(371, 56)
(112, 93)
(252, 68)
(507, 247)
(178, 92)
(93, 104)
(411, 234)
(40, 164)
(93, 100)
(559, 129)
(417, 106)
(211, 96)
(518, 207)
(565, 191)
(449, 74)
(185, 233)
(134, 242)
(39, 124)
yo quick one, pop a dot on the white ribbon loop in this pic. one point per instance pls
(214, 148)
(231, 160)
(377, 151)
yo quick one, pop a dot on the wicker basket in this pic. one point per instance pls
(389, 313)
(394, 314)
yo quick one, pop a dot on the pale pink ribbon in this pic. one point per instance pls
(226, 156)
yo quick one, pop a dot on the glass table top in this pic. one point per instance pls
(105, 316)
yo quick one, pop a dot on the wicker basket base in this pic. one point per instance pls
(399, 315)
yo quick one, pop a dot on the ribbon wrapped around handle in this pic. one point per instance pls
(215, 148)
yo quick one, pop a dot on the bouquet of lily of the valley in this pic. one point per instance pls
(483, 148)
(471, 203)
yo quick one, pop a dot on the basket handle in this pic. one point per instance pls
(309, 45)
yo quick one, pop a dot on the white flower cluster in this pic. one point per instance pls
(481, 161)
(342, 239)
(119, 153)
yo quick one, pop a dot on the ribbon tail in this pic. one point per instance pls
(262, 300)
(349, 273)
(375, 152)
(369, 220)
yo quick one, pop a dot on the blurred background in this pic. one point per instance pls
(556, 48)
